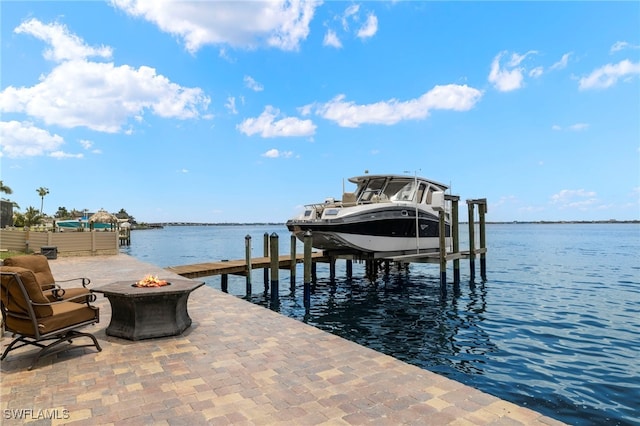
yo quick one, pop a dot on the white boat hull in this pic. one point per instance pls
(375, 221)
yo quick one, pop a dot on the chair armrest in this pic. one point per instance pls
(84, 298)
(58, 292)
(85, 281)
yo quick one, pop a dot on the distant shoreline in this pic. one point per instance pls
(515, 222)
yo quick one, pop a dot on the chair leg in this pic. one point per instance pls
(69, 336)
(48, 349)
(11, 347)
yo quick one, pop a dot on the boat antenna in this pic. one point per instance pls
(415, 200)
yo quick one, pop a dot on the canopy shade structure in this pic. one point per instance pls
(103, 216)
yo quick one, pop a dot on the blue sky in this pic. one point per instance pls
(245, 111)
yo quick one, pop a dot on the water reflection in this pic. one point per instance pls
(403, 314)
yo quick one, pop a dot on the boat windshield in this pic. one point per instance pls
(371, 188)
(387, 189)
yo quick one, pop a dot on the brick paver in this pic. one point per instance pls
(238, 364)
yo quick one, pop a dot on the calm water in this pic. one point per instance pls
(556, 326)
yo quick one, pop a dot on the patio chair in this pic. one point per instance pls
(34, 319)
(52, 290)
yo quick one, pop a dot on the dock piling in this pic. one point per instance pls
(443, 252)
(224, 280)
(265, 251)
(307, 270)
(292, 267)
(247, 258)
(455, 236)
(482, 209)
(332, 269)
(472, 242)
(275, 258)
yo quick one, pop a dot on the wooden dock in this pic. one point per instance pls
(239, 267)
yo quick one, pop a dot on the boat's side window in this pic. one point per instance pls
(406, 193)
(429, 195)
(392, 189)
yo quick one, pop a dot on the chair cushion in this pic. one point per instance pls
(38, 264)
(12, 296)
(65, 314)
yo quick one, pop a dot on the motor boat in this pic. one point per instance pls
(381, 215)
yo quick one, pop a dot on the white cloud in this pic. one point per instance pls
(608, 75)
(578, 127)
(349, 114)
(536, 72)
(100, 96)
(61, 154)
(277, 23)
(622, 45)
(370, 27)
(510, 76)
(252, 84)
(562, 63)
(351, 18)
(87, 145)
(331, 39)
(23, 139)
(231, 105)
(274, 153)
(574, 198)
(350, 13)
(63, 45)
(268, 126)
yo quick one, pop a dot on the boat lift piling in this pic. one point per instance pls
(456, 254)
(482, 210)
(307, 270)
(455, 235)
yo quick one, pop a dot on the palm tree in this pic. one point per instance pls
(42, 192)
(30, 217)
(5, 189)
(62, 213)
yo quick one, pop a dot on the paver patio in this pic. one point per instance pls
(238, 364)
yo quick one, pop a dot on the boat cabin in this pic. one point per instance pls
(380, 189)
(372, 189)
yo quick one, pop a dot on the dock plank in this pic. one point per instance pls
(238, 266)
